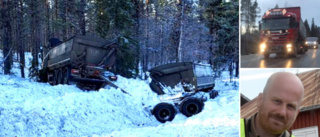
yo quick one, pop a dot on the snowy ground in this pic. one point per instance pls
(29, 108)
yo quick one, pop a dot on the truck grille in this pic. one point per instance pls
(277, 39)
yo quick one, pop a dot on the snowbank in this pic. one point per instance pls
(29, 108)
(37, 109)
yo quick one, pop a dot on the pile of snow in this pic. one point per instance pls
(37, 109)
(29, 108)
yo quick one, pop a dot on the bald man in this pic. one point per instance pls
(278, 107)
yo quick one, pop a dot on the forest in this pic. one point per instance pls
(149, 32)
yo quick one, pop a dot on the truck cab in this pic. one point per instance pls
(282, 32)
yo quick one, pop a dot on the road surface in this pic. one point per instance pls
(310, 59)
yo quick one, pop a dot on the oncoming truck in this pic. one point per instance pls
(282, 32)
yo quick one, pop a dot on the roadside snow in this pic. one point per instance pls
(37, 109)
(29, 108)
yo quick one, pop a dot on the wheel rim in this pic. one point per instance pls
(192, 108)
(164, 114)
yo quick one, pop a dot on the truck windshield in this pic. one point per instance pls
(274, 24)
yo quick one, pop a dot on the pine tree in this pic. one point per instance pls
(313, 29)
(115, 21)
(306, 24)
(6, 19)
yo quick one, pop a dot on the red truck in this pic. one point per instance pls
(282, 32)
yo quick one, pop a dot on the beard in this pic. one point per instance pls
(274, 123)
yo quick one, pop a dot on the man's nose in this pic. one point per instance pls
(282, 110)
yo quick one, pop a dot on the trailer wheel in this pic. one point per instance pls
(66, 75)
(55, 76)
(191, 106)
(50, 78)
(164, 112)
(59, 77)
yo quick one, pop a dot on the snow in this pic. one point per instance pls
(29, 108)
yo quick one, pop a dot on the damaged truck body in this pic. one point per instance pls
(192, 77)
(80, 60)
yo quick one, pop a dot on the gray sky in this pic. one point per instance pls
(309, 8)
(252, 81)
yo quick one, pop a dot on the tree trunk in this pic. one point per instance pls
(6, 36)
(161, 44)
(145, 67)
(64, 20)
(82, 20)
(54, 19)
(181, 32)
(20, 39)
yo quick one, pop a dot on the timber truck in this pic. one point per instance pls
(80, 60)
(282, 32)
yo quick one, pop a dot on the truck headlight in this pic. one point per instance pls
(289, 45)
(263, 47)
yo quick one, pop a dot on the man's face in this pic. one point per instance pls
(279, 106)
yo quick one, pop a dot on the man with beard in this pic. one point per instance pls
(278, 107)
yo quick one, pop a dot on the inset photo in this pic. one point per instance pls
(280, 102)
(280, 34)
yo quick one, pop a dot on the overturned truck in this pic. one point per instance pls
(80, 60)
(192, 77)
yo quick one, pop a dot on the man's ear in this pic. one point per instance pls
(259, 100)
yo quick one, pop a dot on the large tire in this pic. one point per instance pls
(164, 112)
(55, 77)
(191, 106)
(50, 78)
(59, 77)
(66, 76)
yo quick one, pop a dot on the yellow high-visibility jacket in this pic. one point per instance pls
(243, 128)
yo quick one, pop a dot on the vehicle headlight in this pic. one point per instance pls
(314, 42)
(306, 43)
(263, 46)
(289, 45)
